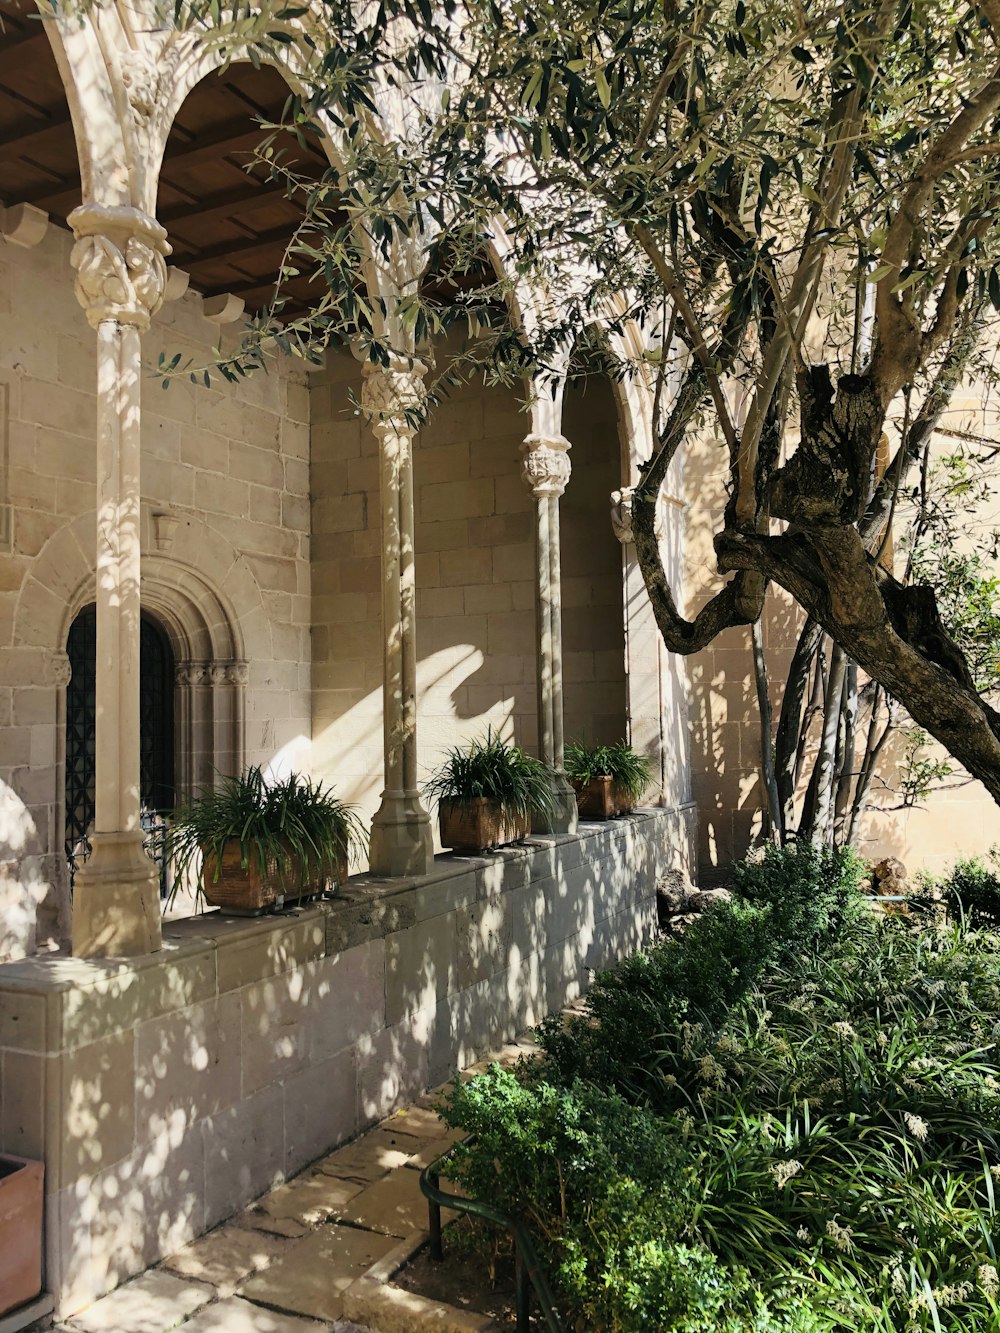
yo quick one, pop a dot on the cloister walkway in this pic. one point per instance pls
(286, 1263)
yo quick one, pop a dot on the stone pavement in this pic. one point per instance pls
(283, 1264)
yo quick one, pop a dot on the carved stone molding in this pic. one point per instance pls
(191, 673)
(238, 673)
(387, 395)
(545, 464)
(58, 671)
(218, 674)
(621, 513)
(141, 79)
(119, 257)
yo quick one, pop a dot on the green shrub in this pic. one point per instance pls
(971, 889)
(813, 891)
(792, 1122)
(603, 1186)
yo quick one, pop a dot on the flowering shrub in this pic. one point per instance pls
(782, 1119)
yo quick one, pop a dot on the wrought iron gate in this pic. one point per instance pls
(156, 737)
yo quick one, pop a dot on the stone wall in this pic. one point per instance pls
(230, 464)
(167, 1092)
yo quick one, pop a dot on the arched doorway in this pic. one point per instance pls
(156, 720)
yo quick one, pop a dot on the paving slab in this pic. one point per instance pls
(153, 1303)
(393, 1206)
(370, 1157)
(295, 1208)
(239, 1316)
(226, 1256)
(312, 1278)
(435, 1149)
(418, 1122)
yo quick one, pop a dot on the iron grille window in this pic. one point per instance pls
(156, 737)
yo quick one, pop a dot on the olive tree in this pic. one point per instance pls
(799, 200)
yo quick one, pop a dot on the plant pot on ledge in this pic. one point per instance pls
(600, 798)
(479, 825)
(21, 1183)
(487, 793)
(608, 779)
(256, 844)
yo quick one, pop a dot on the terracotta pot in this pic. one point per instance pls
(477, 825)
(21, 1185)
(600, 799)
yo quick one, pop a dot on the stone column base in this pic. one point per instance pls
(116, 900)
(402, 842)
(564, 817)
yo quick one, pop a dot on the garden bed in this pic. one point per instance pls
(787, 1118)
(461, 1280)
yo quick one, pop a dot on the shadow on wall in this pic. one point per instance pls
(195, 1082)
(348, 752)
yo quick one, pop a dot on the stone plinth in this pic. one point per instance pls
(166, 1092)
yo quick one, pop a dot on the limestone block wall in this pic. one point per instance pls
(475, 576)
(167, 1092)
(231, 464)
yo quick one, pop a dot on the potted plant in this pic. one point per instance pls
(608, 779)
(486, 794)
(254, 844)
(20, 1231)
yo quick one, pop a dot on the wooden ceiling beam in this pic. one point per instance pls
(222, 205)
(19, 137)
(221, 140)
(229, 249)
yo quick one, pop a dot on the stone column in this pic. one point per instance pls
(545, 468)
(402, 842)
(120, 274)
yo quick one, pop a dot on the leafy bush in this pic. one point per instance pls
(788, 1118)
(582, 1166)
(972, 889)
(812, 890)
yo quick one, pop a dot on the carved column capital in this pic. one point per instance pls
(621, 513)
(119, 257)
(218, 674)
(238, 673)
(191, 673)
(391, 397)
(58, 671)
(545, 465)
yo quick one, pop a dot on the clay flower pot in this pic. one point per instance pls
(478, 824)
(21, 1184)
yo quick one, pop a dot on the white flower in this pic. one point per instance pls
(841, 1236)
(988, 1277)
(803, 1233)
(945, 1296)
(784, 1171)
(844, 1029)
(916, 1126)
(710, 1071)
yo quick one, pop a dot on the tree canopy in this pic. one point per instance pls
(797, 202)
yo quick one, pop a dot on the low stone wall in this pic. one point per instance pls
(164, 1093)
